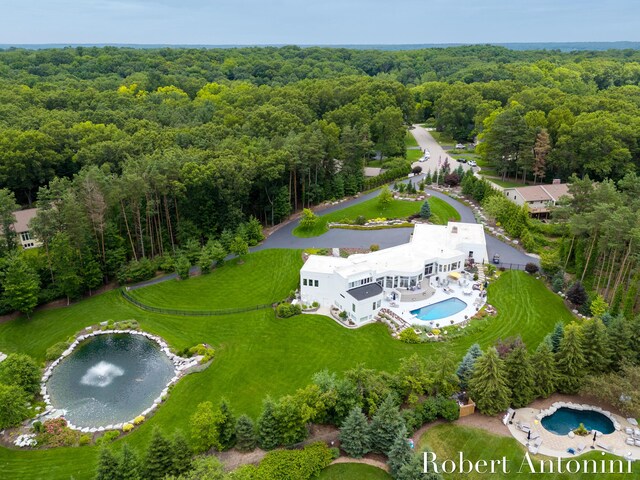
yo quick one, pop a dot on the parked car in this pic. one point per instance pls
(462, 160)
(472, 163)
(460, 146)
(496, 258)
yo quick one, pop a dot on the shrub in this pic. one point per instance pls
(108, 437)
(182, 266)
(56, 433)
(531, 268)
(127, 427)
(343, 315)
(416, 170)
(308, 220)
(428, 410)
(557, 284)
(315, 304)
(360, 220)
(286, 310)
(475, 277)
(22, 371)
(374, 247)
(54, 351)
(577, 294)
(581, 430)
(448, 409)
(138, 420)
(295, 464)
(84, 440)
(408, 335)
(37, 427)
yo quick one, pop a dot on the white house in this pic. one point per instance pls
(22, 229)
(358, 284)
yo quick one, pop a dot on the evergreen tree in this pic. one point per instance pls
(619, 333)
(21, 285)
(181, 454)
(414, 470)
(91, 275)
(129, 465)
(545, 373)
(594, 334)
(226, 426)
(159, 458)
(108, 466)
(385, 426)
(556, 336)
(577, 294)
(427, 178)
(571, 360)
(488, 384)
(520, 376)
(354, 434)
(400, 453)
(465, 369)
(269, 434)
(425, 210)
(8, 205)
(246, 438)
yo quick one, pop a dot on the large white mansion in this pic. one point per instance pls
(358, 284)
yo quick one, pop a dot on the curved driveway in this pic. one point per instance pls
(342, 238)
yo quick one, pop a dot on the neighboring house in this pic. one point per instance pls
(539, 198)
(358, 284)
(21, 227)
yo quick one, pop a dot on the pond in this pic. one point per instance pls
(109, 379)
(564, 420)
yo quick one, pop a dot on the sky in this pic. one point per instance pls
(325, 22)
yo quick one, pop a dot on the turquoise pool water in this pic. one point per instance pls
(443, 309)
(566, 419)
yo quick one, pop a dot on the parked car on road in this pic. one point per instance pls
(496, 258)
(462, 160)
(460, 146)
(472, 163)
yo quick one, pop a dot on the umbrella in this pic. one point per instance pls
(594, 435)
(529, 435)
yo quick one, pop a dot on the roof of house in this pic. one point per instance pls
(23, 217)
(542, 193)
(365, 291)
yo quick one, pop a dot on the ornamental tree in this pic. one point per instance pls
(465, 369)
(425, 210)
(354, 434)
(245, 431)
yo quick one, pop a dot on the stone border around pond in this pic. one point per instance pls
(181, 365)
(581, 407)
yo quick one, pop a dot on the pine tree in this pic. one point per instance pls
(107, 466)
(545, 372)
(556, 336)
(181, 454)
(354, 434)
(425, 210)
(246, 438)
(414, 470)
(400, 453)
(594, 334)
(159, 458)
(129, 465)
(385, 426)
(571, 360)
(227, 425)
(488, 383)
(520, 376)
(465, 369)
(269, 434)
(427, 178)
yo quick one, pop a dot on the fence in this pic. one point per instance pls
(191, 313)
(510, 266)
(468, 409)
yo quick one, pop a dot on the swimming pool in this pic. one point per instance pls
(566, 419)
(443, 309)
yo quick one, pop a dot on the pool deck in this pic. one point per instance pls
(557, 445)
(474, 303)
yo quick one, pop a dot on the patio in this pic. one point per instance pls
(543, 442)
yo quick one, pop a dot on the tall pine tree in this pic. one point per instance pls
(354, 434)
(159, 458)
(129, 466)
(488, 385)
(386, 425)
(556, 336)
(227, 425)
(269, 434)
(571, 360)
(594, 334)
(465, 369)
(107, 466)
(246, 438)
(545, 372)
(181, 454)
(520, 376)
(400, 453)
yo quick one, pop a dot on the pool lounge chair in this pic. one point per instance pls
(605, 447)
(533, 449)
(580, 448)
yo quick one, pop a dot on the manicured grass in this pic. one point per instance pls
(410, 140)
(353, 471)
(256, 355)
(230, 286)
(449, 439)
(414, 155)
(506, 183)
(443, 139)
(441, 213)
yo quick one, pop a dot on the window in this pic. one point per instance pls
(374, 306)
(360, 282)
(379, 303)
(388, 282)
(353, 307)
(304, 282)
(428, 269)
(315, 282)
(404, 282)
(380, 281)
(25, 236)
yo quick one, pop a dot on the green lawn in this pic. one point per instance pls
(353, 471)
(506, 183)
(441, 213)
(231, 285)
(449, 439)
(256, 355)
(410, 140)
(443, 139)
(414, 155)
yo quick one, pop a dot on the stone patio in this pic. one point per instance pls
(557, 445)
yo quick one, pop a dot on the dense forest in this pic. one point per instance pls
(136, 156)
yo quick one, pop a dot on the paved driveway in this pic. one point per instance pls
(425, 140)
